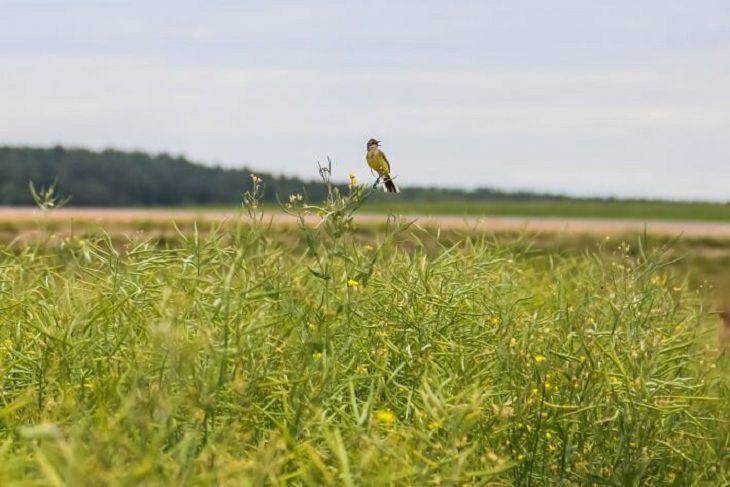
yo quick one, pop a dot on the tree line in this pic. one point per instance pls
(119, 178)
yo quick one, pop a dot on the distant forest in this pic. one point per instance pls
(118, 178)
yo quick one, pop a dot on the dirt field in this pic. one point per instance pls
(496, 224)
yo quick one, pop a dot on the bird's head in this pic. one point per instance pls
(373, 143)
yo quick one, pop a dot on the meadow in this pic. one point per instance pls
(329, 354)
(615, 209)
(537, 208)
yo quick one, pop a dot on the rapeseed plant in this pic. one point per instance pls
(243, 356)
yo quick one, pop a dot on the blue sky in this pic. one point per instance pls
(619, 98)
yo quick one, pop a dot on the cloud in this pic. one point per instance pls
(653, 131)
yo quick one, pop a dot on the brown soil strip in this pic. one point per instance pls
(593, 226)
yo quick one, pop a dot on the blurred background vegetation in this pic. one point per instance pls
(118, 178)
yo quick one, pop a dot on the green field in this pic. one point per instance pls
(569, 208)
(328, 355)
(642, 210)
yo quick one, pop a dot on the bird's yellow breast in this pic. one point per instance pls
(377, 161)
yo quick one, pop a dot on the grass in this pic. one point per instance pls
(248, 355)
(640, 210)
(611, 209)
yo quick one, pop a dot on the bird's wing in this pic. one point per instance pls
(386, 160)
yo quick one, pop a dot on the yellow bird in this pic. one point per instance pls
(379, 163)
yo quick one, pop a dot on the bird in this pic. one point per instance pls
(379, 163)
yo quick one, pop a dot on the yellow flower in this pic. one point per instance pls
(434, 425)
(353, 180)
(539, 359)
(659, 280)
(352, 283)
(317, 356)
(385, 416)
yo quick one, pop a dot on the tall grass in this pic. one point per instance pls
(236, 358)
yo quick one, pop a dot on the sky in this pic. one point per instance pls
(617, 98)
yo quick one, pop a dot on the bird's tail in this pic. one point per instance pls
(389, 184)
